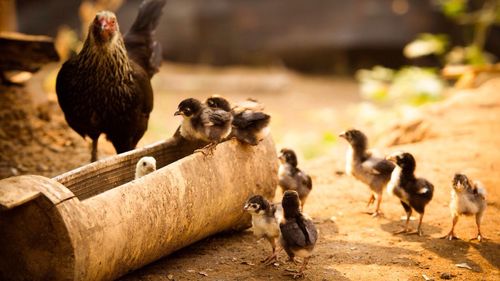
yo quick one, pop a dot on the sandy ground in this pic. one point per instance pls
(459, 134)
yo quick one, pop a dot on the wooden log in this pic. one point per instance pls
(25, 52)
(105, 233)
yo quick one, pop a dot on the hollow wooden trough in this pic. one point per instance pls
(98, 223)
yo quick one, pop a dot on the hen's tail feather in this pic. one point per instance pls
(139, 40)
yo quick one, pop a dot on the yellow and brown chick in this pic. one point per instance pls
(468, 198)
(265, 218)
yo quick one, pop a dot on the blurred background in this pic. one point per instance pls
(318, 66)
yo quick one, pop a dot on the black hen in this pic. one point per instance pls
(106, 88)
(414, 193)
(362, 165)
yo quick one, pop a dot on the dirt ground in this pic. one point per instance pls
(459, 134)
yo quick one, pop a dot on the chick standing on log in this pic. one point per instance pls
(291, 177)
(144, 166)
(414, 193)
(201, 122)
(467, 198)
(106, 88)
(298, 233)
(250, 125)
(372, 171)
(264, 222)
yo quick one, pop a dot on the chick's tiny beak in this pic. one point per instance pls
(178, 112)
(342, 135)
(391, 158)
(246, 207)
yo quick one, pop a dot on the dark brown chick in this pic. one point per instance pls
(414, 193)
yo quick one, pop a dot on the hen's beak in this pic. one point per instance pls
(178, 112)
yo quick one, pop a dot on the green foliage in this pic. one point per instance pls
(410, 85)
(427, 44)
(453, 8)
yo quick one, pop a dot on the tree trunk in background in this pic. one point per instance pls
(8, 19)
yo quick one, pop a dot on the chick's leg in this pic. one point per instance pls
(408, 215)
(207, 149)
(451, 235)
(377, 209)
(370, 200)
(273, 257)
(479, 236)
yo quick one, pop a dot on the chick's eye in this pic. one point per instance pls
(143, 163)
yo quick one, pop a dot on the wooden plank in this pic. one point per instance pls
(25, 52)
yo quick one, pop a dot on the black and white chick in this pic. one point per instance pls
(467, 198)
(201, 122)
(298, 233)
(367, 168)
(144, 166)
(414, 193)
(291, 177)
(265, 218)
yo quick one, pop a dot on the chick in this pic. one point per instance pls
(298, 233)
(201, 122)
(264, 222)
(467, 198)
(414, 193)
(363, 166)
(291, 177)
(144, 166)
(250, 123)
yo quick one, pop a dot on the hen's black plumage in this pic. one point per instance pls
(414, 193)
(362, 165)
(106, 88)
(298, 233)
(291, 177)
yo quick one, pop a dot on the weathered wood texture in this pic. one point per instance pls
(58, 236)
(25, 52)
(108, 173)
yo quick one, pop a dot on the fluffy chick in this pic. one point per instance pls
(467, 198)
(414, 193)
(298, 233)
(145, 165)
(291, 177)
(250, 123)
(264, 222)
(201, 122)
(363, 166)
